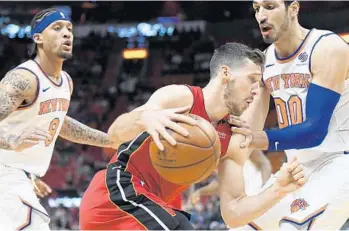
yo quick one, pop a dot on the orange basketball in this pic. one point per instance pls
(193, 158)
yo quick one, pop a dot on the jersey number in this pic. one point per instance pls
(290, 112)
(52, 130)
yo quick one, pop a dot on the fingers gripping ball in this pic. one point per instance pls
(193, 158)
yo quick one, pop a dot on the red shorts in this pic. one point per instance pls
(116, 200)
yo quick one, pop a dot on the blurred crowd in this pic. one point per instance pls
(105, 86)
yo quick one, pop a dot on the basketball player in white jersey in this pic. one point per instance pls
(34, 100)
(306, 72)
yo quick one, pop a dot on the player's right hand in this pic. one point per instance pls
(28, 138)
(41, 189)
(291, 177)
(155, 123)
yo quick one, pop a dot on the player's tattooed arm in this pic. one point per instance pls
(77, 132)
(16, 87)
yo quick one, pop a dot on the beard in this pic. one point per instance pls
(283, 28)
(230, 101)
(65, 55)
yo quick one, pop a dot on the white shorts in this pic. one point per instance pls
(20, 209)
(322, 203)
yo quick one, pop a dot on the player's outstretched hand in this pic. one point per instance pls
(28, 138)
(155, 123)
(291, 177)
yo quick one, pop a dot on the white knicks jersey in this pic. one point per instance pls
(288, 80)
(48, 111)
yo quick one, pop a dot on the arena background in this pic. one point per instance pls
(123, 51)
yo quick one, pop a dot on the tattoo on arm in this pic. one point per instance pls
(78, 132)
(14, 88)
(12, 92)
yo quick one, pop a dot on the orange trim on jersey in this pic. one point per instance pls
(281, 111)
(53, 83)
(130, 182)
(311, 223)
(134, 188)
(28, 221)
(295, 108)
(29, 215)
(124, 212)
(295, 54)
(168, 210)
(178, 192)
(135, 151)
(310, 216)
(254, 226)
(133, 184)
(29, 205)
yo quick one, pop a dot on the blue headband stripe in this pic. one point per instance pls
(47, 20)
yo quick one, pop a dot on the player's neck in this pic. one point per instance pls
(290, 41)
(214, 102)
(51, 67)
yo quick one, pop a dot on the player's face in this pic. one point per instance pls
(273, 19)
(57, 39)
(242, 87)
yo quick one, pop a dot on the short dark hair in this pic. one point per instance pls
(37, 18)
(233, 55)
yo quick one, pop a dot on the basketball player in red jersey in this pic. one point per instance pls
(130, 194)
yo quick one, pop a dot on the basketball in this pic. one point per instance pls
(193, 158)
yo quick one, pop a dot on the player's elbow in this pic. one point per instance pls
(238, 154)
(111, 132)
(231, 217)
(232, 220)
(115, 129)
(316, 135)
(317, 139)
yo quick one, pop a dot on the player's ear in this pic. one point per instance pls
(294, 9)
(37, 38)
(225, 74)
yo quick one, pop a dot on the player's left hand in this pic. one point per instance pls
(241, 127)
(41, 189)
(236, 121)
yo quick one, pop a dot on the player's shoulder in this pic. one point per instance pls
(22, 73)
(174, 95)
(67, 75)
(70, 80)
(176, 90)
(269, 54)
(329, 47)
(269, 50)
(329, 41)
(21, 81)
